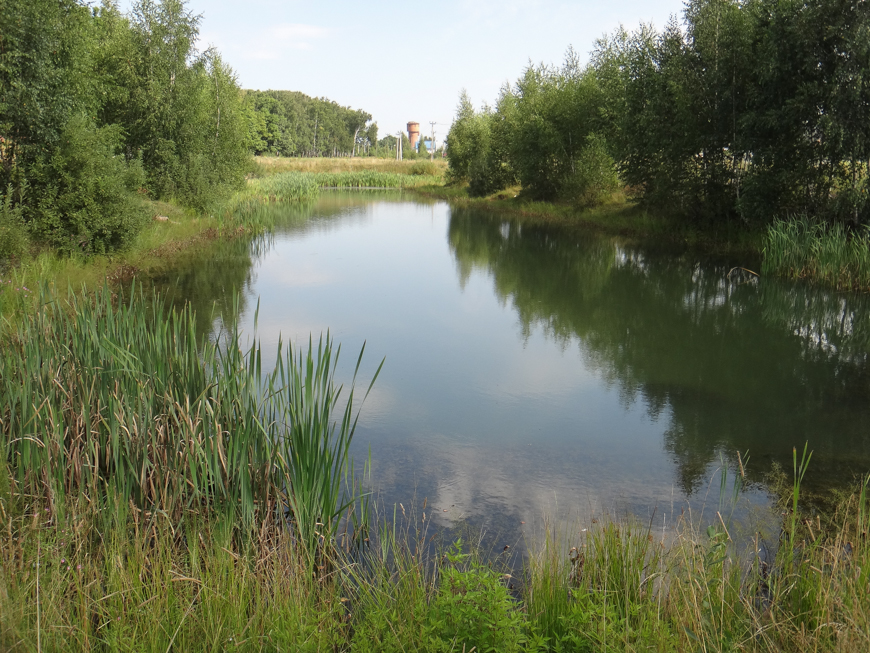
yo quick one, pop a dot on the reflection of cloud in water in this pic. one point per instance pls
(297, 273)
(499, 487)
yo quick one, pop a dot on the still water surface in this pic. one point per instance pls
(539, 370)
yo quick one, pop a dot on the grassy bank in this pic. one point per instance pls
(284, 187)
(80, 578)
(172, 234)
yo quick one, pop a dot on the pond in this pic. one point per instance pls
(536, 370)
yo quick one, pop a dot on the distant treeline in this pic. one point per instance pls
(745, 110)
(288, 123)
(99, 109)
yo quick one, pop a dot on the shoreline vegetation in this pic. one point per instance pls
(160, 493)
(202, 544)
(187, 501)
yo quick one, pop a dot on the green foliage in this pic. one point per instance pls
(86, 199)
(289, 123)
(296, 186)
(594, 179)
(426, 168)
(123, 399)
(13, 233)
(91, 100)
(44, 64)
(82, 575)
(375, 179)
(464, 138)
(741, 110)
(473, 609)
(829, 253)
(555, 113)
(312, 457)
(181, 109)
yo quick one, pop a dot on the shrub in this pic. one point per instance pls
(86, 201)
(473, 609)
(594, 178)
(423, 168)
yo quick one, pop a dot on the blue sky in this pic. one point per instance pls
(403, 61)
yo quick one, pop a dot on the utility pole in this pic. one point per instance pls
(399, 148)
(432, 153)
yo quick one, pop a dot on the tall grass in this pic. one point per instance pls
(268, 165)
(103, 399)
(79, 576)
(288, 187)
(625, 588)
(373, 179)
(303, 186)
(801, 248)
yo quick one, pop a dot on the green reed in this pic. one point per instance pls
(78, 578)
(246, 206)
(373, 179)
(280, 188)
(119, 399)
(827, 253)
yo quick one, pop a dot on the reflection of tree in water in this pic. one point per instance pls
(735, 366)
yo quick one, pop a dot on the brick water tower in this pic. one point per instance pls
(414, 133)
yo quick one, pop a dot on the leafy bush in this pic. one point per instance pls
(594, 178)
(85, 199)
(488, 173)
(473, 609)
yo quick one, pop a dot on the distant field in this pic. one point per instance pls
(270, 165)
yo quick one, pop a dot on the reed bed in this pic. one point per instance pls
(105, 399)
(801, 248)
(152, 585)
(269, 165)
(373, 179)
(282, 188)
(246, 206)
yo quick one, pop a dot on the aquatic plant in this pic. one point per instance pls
(301, 186)
(118, 400)
(614, 584)
(801, 248)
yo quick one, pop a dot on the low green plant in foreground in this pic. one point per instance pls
(800, 248)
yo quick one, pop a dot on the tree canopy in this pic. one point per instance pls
(99, 109)
(741, 110)
(289, 123)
